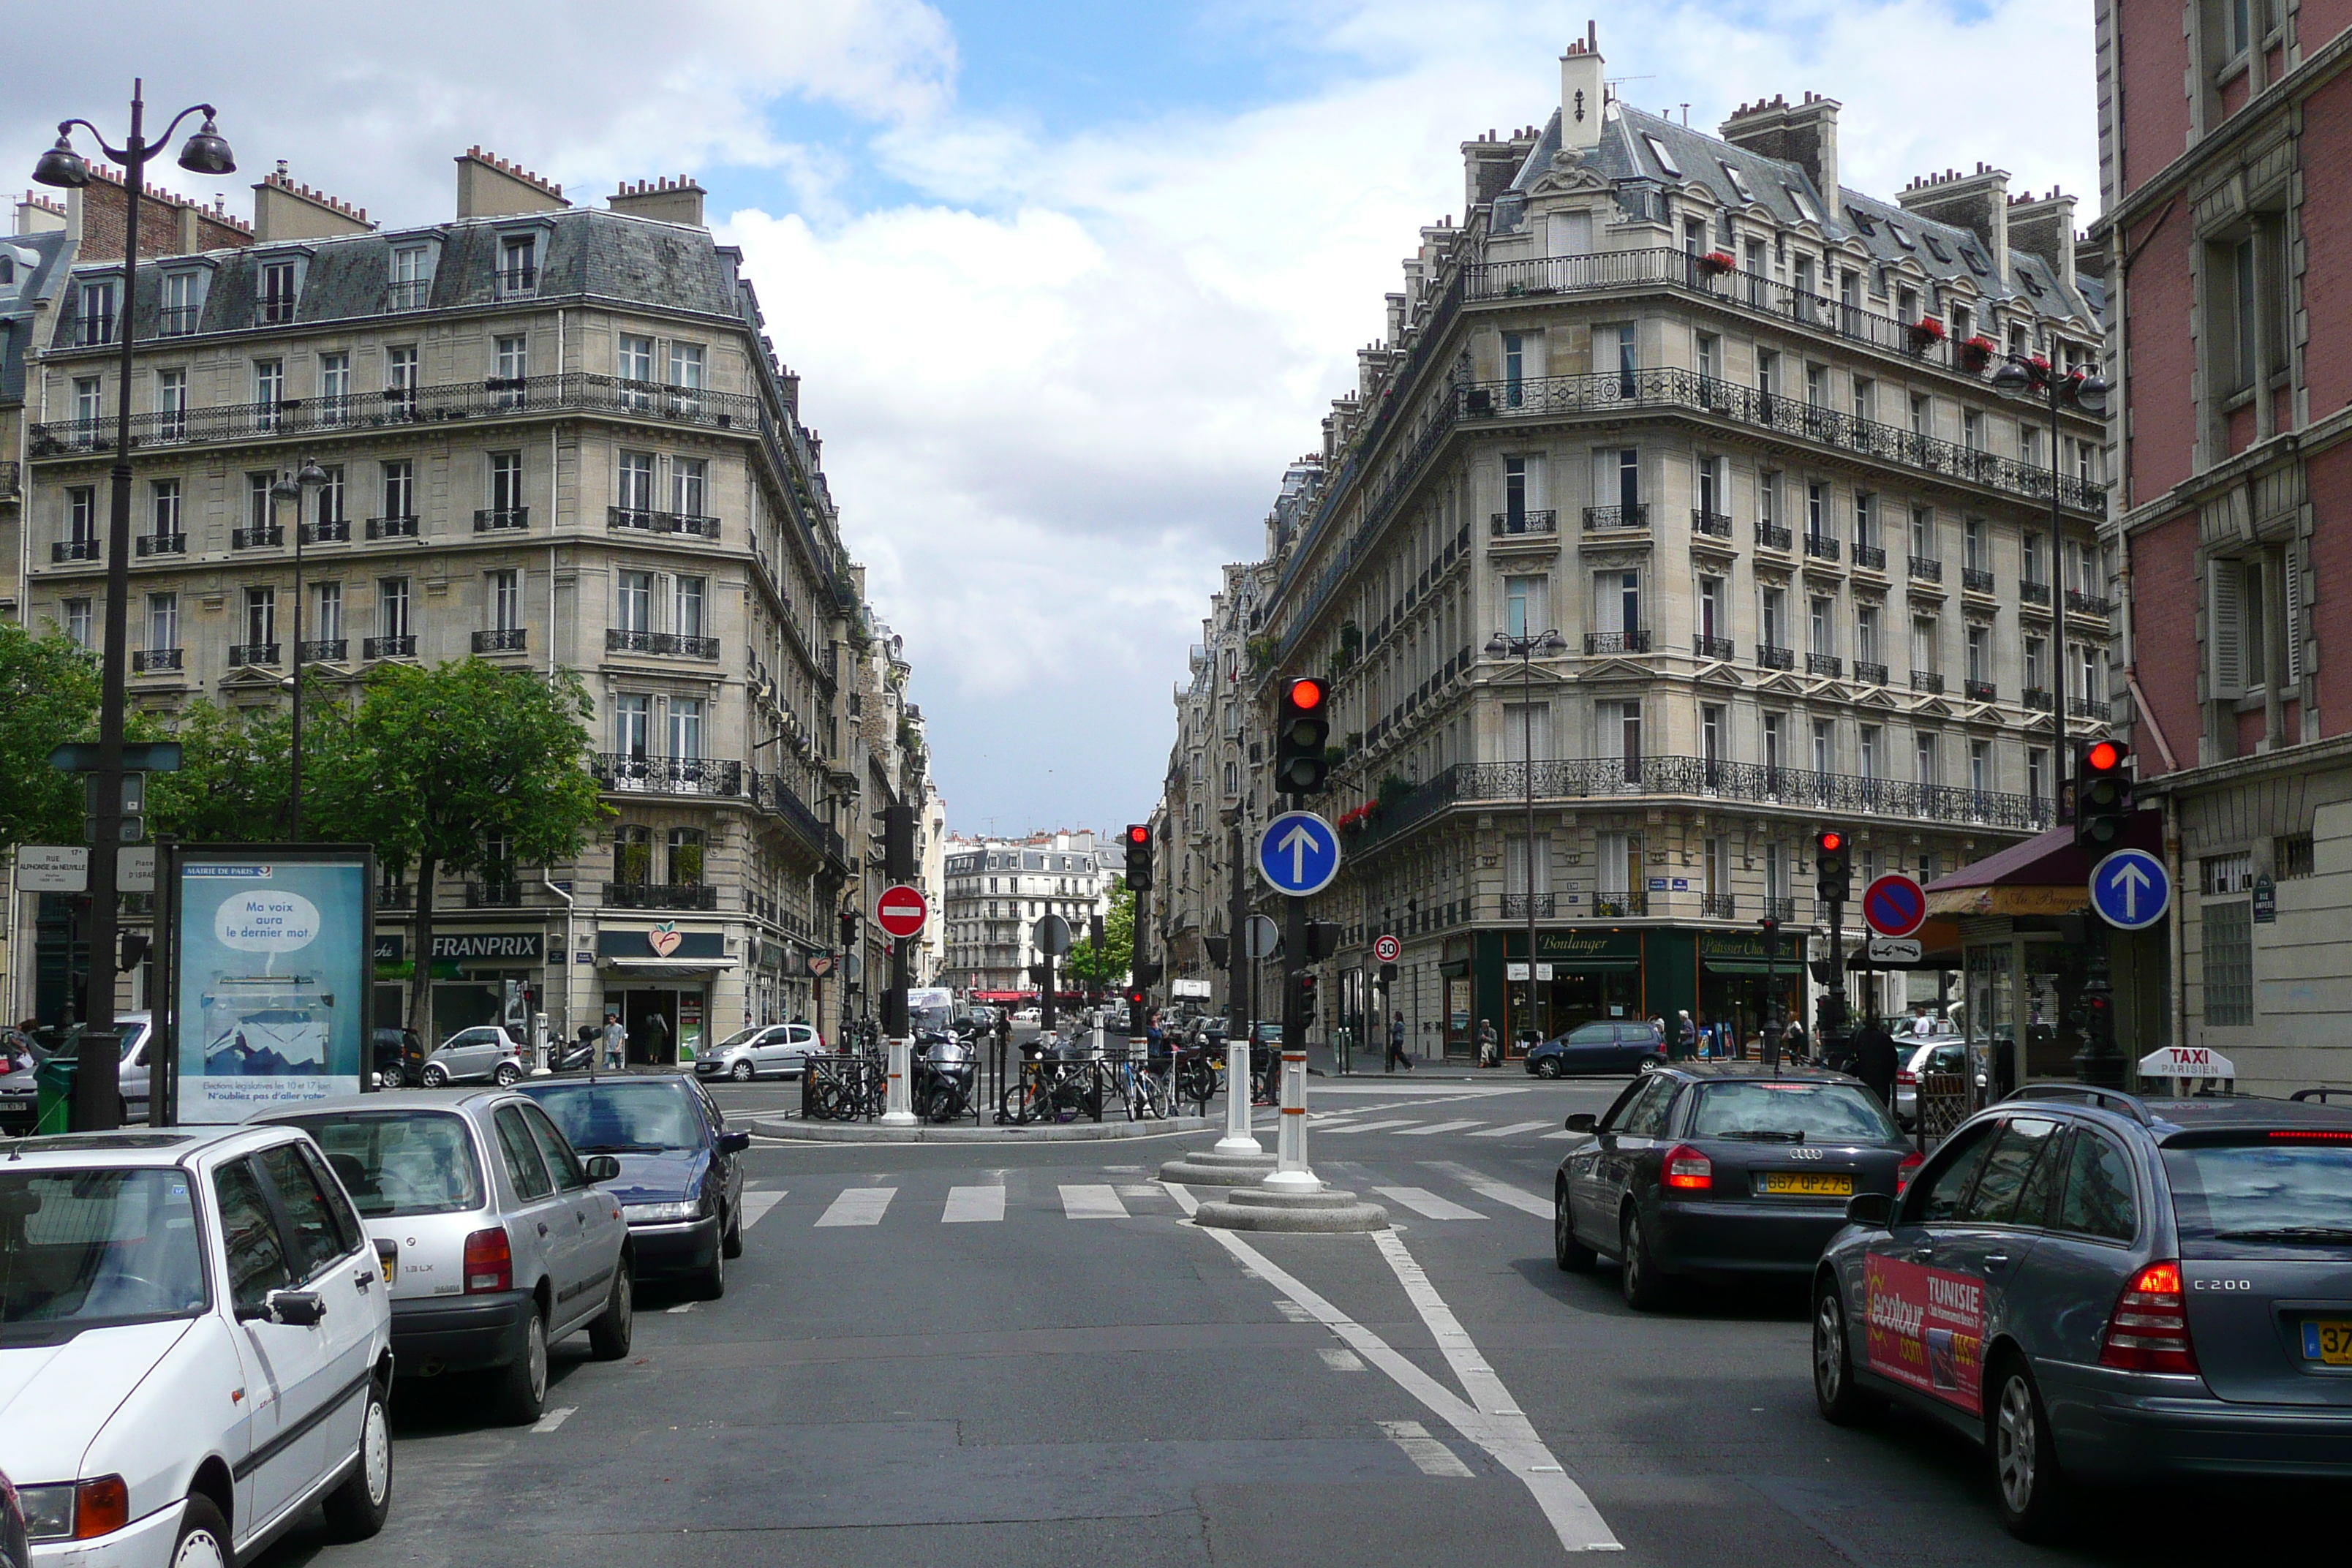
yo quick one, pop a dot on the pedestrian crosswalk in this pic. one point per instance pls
(1335, 1124)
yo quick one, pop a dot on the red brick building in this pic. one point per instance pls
(2225, 134)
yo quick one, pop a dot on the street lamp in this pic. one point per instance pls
(1502, 645)
(97, 1095)
(308, 480)
(2022, 377)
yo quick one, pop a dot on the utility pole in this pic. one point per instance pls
(1240, 1006)
(898, 867)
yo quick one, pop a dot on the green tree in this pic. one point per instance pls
(1087, 966)
(435, 762)
(48, 696)
(232, 785)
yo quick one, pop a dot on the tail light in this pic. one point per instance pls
(1688, 1170)
(1908, 1169)
(2148, 1329)
(1907, 1077)
(100, 1507)
(489, 1262)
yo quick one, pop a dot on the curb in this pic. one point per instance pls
(1068, 1133)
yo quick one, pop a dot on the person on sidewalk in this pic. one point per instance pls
(657, 1045)
(1685, 1035)
(1490, 1045)
(616, 1043)
(1875, 1060)
(1396, 1046)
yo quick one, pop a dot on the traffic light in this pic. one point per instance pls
(1833, 865)
(1323, 939)
(2103, 796)
(1139, 857)
(1147, 974)
(1218, 949)
(1136, 1002)
(1299, 764)
(1306, 998)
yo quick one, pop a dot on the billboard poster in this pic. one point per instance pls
(1926, 1329)
(272, 967)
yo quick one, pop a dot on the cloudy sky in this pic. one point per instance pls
(1068, 282)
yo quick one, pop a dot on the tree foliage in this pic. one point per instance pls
(1083, 964)
(48, 696)
(234, 780)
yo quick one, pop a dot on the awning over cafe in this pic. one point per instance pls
(2046, 875)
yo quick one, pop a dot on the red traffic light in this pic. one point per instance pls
(1138, 834)
(1306, 694)
(1831, 843)
(2103, 756)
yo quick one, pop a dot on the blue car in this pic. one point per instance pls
(2099, 1287)
(1622, 1047)
(681, 1181)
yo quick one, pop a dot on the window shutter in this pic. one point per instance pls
(2223, 630)
(2293, 568)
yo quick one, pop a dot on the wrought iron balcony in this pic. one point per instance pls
(1927, 680)
(391, 527)
(91, 332)
(1869, 557)
(1616, 642)
(325, 651)
(2078, 603)
(396, 895)
(1621, 905)
(389, 647)
(1515, 906)
(409, 294)
(1772, 657)
(1718, 907)
(509, 641)
(2035, 697)
(2035, 593)
(74, 550)
(660, 896)
(1975, 579)
(1772, 536)
(1820, 547)
(1869, 672)
(1713, 524)
(517, 282)
(242, 653)
(492, 519)
(161, 545)
(1927, 569)
(1781, 909)
(255, 538)
(1512, 525)
(493, 895)
(1606, 519)
(667, 775)
(330, 530)
(643, 521)
(1981, 691)
(153, 659)
(176, 321)
(1827, 664)
(1711, 648)
(617, 640)
(2089, 708)
(273, 309)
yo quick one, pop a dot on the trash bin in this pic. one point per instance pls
(54, 1079)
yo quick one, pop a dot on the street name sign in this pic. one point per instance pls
(901, 911)
(1300, 853)
(53, 868)
(1894, 905)
(2130, 889)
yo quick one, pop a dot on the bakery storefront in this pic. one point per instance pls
(1582, 975)
(659, 971)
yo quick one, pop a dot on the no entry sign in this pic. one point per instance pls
(1894, 905)
(901, 910)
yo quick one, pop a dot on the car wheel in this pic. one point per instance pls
(741, 1072)
(710, 1284)
(202, 1541)
(1548, 1068)
(615, 1326)
(1643, 1288)
(520, 1390)
(1841, 1401)
(434, 1075)
(732, 1243)
(2027, 1485)
(508, 1076)
(1567, 1251)
(357, 1509)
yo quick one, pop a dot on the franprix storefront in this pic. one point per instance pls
(1596, 972)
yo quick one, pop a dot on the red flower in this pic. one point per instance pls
(1926, 330)
(1715, 263)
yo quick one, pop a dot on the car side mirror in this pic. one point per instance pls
(296, 1308)
(603, 1168)
(1582, 1122)
(1876, 1210)
(734, 1142)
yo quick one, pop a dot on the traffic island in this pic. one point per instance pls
(1327, 1212)
(798, 1131)
(1215, 1168)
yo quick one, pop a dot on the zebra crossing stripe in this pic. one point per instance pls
(1511, 1198)
(1428, 1204)
(1093, 1201)
(1374, 1126)
(1513, 1130)
(1429, 1456)
(1438, 1127)
(858, 1206)
(973, 1206)
(757, 1204)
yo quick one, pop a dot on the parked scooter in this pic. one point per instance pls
(945, 1064)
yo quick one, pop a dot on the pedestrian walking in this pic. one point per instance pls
(1396, 1046)
(1686, 1035)
(1490, 1045)
(616, 1042)
(1875, 1060)
(657, 1045)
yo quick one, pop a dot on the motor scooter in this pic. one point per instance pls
(944, 1066)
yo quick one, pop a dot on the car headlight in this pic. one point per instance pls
(647, 1214)
(81, 1511)
(49, 1512)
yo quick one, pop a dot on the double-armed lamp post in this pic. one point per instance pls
(1525, 649)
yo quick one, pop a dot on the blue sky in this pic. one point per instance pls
(1067, 283)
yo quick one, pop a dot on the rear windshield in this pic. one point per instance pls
(400, 1162)
(83, 1249)
(1807, 1112)
(2273, 1194)
(622, 1117)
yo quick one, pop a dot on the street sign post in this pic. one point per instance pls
(1894, 905)
(1264, 937)
(1893, 950)
(1298, 854)
(53, 868)
(902, 911)
(1387, 949)
(1052, 934)
(2131, 890)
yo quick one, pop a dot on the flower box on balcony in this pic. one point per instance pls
(1976, 353)
(1715, 263)
(1925, 334)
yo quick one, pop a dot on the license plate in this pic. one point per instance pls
(389, 1260)
(1808, 1184)
(2328, 1341)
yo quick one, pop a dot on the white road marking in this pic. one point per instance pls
(1485, 1186)
(1428, 1204)
(1429, 1456)
(1095, 1202)
(1556, 1137)
(554, 1418)
(1510, 1439)
(1293, 1312)
(682, 1306)
(757, 1204)
(1374, 1126)
(1512, 1131)
(1342, 1360)
(858, 1206)
(1438, 1127)
(973, 1206)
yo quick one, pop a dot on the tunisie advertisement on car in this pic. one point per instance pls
(271, 991)
(1926, 1329)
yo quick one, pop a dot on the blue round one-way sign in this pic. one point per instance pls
(2130, 889)
(1300, 853)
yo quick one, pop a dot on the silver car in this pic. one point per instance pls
(1923, 1056)
(485, 1051)
(492, 1230)
(777, 1049)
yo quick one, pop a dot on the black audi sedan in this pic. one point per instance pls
(1721, 1171)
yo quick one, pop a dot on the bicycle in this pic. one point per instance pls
(1196, 1079)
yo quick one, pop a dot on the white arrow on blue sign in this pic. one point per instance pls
(1300, 853)
(2130, 889)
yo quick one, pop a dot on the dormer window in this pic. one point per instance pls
(412, 276)
(177, 315)
(519, 265)
(1935, 248)
(94, 320)
(280, 286)
(1975, 259)
(1739, 181)
(1803, 203)
(1861, 220)
(1900, 239)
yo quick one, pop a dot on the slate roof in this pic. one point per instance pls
(39, 267)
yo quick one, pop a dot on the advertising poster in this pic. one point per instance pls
(272, 973)
(1926, 1329)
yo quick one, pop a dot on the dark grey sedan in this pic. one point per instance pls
(2102, 1289)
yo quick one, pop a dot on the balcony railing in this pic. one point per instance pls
(493, 518)
(2089, 708)
(1515, 906)
(329, 531)
(1713, 524)
(509, 641)
(493, 895)
(255, 538)
(517, 282)
(91, 332)
(1820, 547)
(1927, 680)
(1711, 648)
(1601, 518)
(1513, 525)
(641, 521)
(409, 294)
(241, 654)
(617, 640)
(1981, 691)
(161, 545)
(1975, 579)
(573, 391)
(769, 792)
(2078, 603)
(1772, 657)
(273, 309)
(1616, 642)
(1827, 664)
(667, 775)
(660, 896)
(389, 647)
(2035, 697)
(1927, 569)
(1870, 556)
(149, 658)
(392, 528)
(1621, 905)
(1781, 909)
(396, 895)
(74, 550)
(1869, 672)
(176, 321)
(325, 651)
(1718, 907)
(1772, 536)
(2035, 593)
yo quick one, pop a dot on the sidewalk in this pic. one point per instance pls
(1323, 1062)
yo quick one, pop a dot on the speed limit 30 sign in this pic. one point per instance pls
(1386, 949)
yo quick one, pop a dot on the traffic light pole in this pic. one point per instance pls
(1290, 1171)
(1239, 1007)
(899, 865)
(1833, 1019)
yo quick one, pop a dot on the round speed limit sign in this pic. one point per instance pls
(1386, 949)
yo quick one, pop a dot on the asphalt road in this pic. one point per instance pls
(1023, 1356)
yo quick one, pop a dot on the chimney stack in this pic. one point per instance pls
(1977, 203)
(1803, 133)
(2045, 226)
(1582, 92)
(284, 210)
(489, 187)
(668, 200)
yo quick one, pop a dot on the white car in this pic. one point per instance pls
(196, 1346)
(1933, 1054)
(759, 1053)
(1029, 1016)
(485, 1051)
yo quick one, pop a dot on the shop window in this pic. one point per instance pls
(2229, 942)
(2291, 856)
